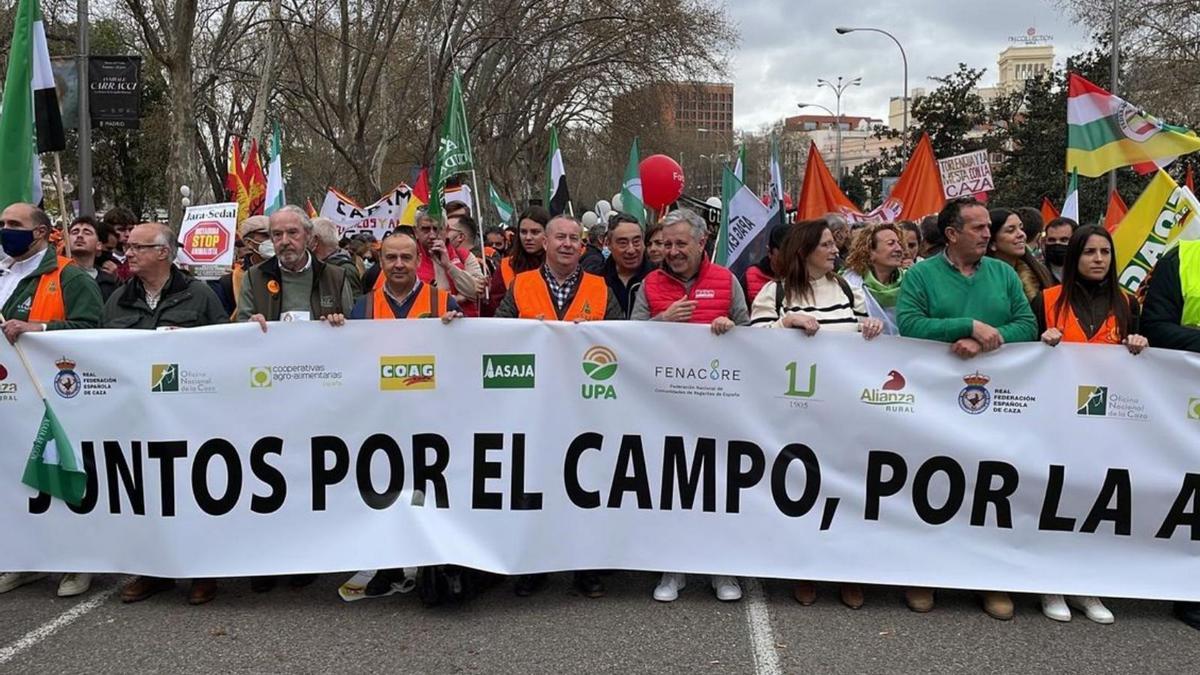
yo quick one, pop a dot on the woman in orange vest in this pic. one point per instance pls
(528, 254)
(1089, 307)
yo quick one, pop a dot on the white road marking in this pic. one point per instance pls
(762, 637)
(51, 627)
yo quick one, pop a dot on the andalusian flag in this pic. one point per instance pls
(631, 189)
(502, 207)
(739, 169)
(1071, 204)
(1105, 132)
(30, 121)
(54, 467)
(275, 197)
(454, 149)
(743, 219)
(558, 199)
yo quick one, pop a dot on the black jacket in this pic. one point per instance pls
(185, 303)
(625, 294)
(1162, 313)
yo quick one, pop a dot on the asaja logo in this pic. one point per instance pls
(67, 382)
(260, 377)
(1193, 408)
(890, 395)
(975, 398)
(164, 377)
(407, 373)
(508, 371)
(599, 364)
(1091, 401)
(810, 385)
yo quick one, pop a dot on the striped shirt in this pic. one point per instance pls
(827, 302)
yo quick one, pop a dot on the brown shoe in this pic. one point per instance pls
(203, 590)
(852, 596)
(143, 587)
(805, 592)
(919, 599)
(998, 605)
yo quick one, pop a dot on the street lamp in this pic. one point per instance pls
(838, 89)
(842, 30)
(712, 168)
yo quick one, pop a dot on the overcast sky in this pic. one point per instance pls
(788, 44)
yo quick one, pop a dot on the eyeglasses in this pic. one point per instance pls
(143, 247)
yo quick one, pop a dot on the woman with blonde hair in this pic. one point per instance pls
(875, 265)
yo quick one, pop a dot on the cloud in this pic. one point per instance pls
(787, 44)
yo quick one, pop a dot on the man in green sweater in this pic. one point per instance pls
(961, 296)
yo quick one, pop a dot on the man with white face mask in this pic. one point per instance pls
(255, 239)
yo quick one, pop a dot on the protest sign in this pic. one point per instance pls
(966, 175)
(207, 239)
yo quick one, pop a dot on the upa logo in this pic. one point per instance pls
(407, 373)
(975, 398)
(599, 364)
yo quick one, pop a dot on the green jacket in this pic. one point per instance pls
(938, 303)
(185, 303)
(81, 296)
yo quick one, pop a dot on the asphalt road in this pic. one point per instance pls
(312, 630)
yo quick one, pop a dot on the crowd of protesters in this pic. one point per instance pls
(973, 278)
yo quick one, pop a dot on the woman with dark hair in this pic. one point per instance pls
(1008, 245)
(933, 238)
(809, 296)
(656, 250)
(912, 242)
(1089, 307)
(528, 254)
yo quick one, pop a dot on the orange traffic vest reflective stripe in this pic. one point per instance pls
(48, 303)
(430, 303)
(1069, 324)
(533, 298)
(506, 272)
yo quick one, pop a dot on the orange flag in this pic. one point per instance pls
(1049, 213)
(919, 191)
(820, 193)
(1116, 211)
(310, 209)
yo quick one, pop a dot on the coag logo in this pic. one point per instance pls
(810, 386)
(67, 382)
(1091, 401)
(1194, 408)
(261, 377)
(406, 373)
(975, 398)
(508, 371)
(599, 364)
(164, 377)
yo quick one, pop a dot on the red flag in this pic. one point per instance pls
(421, 189)
(1116, 211)
(1049, 213)
(310, 209)
(919, 191)
(246, 183)
(1187, 180)
(255, 181)
(820, 194)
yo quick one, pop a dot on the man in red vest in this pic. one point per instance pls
(403, 295)
(689, 288)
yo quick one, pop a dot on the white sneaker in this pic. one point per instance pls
(74, 584)
(727, 588)
(1054, 607)
(12, 580)
(1091, 605)
(669, 586)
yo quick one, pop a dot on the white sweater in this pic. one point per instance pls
(827, 303)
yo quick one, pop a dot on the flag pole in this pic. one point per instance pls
(487, 288)
(58, 187)
(37, 387)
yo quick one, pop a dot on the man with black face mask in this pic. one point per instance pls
(39, 290)
(1054, 244)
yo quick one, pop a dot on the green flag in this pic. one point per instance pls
(53, 466)
(739, 169)
(743, 219)
(631, 189)
(1071, 205)
(502, 207)
(454, 149)
(275, 196)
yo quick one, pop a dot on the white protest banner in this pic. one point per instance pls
(207, 238)
(966, 175)
(378, 218)
(224, 451)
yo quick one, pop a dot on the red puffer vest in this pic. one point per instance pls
(711, 292)
(756, 279)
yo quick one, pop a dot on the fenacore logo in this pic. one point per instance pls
(890, 395)
(713, 373)
(164, 377)
(975, 398)
(1092, 401)
(508, 371)
(599, 364)
(407, 373)
(8, 390)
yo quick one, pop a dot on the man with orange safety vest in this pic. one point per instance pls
(40, 290)
(402, 295)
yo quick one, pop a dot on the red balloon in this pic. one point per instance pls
(662, 181)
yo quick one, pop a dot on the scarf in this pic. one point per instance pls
(885, 294)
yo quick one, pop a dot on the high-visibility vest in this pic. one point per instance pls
(1069, 324)
(48, 302)
(532, 296)
(506, 272)
(1189, 281)
(429, 303)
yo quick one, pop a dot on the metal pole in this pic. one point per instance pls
(86, 207)
(838, 121)
(1116, 32)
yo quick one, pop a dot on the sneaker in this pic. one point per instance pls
(13, 580)
(1055, 608)
(74, 584)
(727, 589)
(998, 605)
(1092, 607)
(669, 586)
